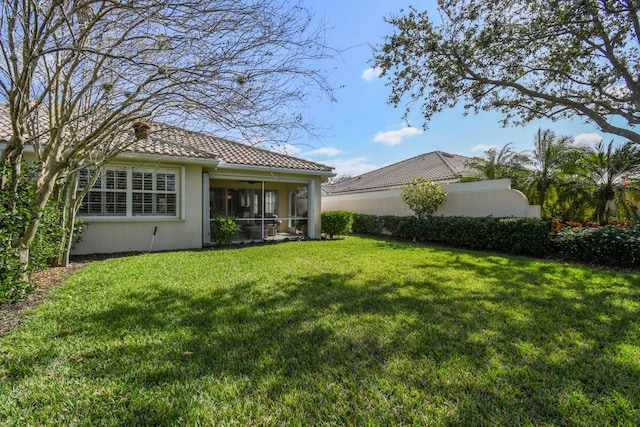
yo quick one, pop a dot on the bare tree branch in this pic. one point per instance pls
(75, 76)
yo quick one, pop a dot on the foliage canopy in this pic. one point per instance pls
(525, 59)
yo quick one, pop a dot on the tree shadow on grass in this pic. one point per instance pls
(329, 347)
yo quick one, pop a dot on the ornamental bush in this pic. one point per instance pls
(14, 216)
(224, 230)
(611, 245)
(336, 223)
(423, 197)
(372, 224)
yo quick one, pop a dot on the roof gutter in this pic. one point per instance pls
(147, 157)
(165, 158)
(231, 166)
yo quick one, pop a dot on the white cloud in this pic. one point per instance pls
(353, 166)
(370, 74)
(395, 137)
(324, 152)
(288, 149)
(483, 147)
(587, 139)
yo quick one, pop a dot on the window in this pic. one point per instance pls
(154, 193)
(130, 192)
(242, 202)
(271, 201)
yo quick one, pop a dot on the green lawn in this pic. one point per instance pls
(359, 331)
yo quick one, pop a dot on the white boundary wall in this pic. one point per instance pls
(475, 199)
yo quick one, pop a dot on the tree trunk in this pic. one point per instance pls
(44, 188)
(22, 253)
(12, 154)
(72, 201)
(70, 228)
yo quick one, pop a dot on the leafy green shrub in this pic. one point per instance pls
(336, 223)
(390, 224)
(512, 235)
(366, 224)
(11, 222)
(612, 245)
(224, 229)
(526, 236)
(372, 224)
(46, 245)
(423, 197)
(609, 245)
(11, 287)
(15, 214)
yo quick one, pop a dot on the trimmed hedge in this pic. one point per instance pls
(612, 245)
(608, 245)
(373, 224)
(525, 236)
(513, 235)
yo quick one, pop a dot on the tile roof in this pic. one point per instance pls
(178, 142)
(172, 141)
(436, 166)
(5, 126)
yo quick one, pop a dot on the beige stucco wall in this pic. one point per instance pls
(122, 235)
(117, 234)
(475, 199)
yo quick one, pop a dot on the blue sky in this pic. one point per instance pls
(361, 132)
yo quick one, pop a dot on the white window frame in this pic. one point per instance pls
(102, 191)
(177, 190)
(270, 202)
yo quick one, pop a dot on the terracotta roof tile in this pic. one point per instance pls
(176, 142)
(5, 127)
(173, 141)
(436, 166)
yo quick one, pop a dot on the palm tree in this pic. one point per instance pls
(610, 176)
(498, 164)
(550, 164)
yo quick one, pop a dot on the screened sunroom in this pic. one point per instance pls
(263, 209)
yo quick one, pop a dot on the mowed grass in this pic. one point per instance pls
(360, 331)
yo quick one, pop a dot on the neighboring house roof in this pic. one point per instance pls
(175, 142)
(436, 166)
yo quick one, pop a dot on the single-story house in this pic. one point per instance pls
(164, 191)
(379, 192)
